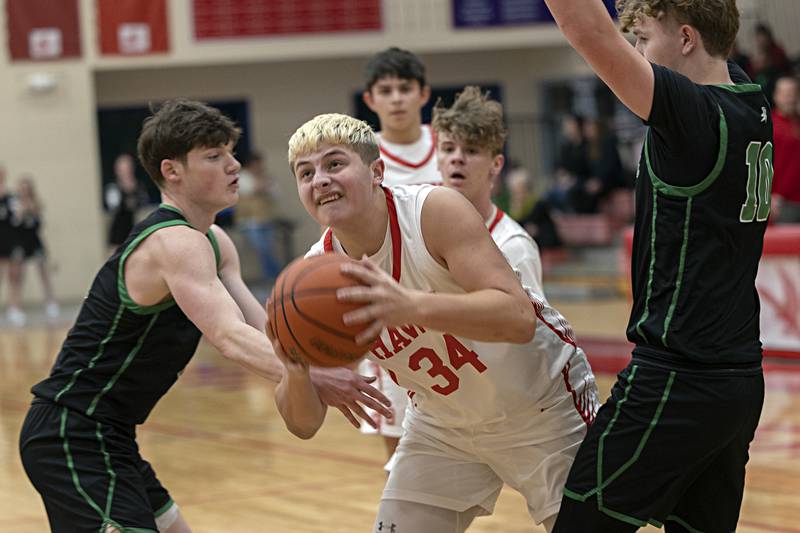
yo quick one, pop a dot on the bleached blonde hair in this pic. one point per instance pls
(334, 129)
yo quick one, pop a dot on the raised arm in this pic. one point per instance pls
(591, 31)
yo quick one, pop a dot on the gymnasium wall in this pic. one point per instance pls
(282, 95)
(285, 80)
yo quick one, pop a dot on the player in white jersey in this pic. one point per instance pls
(500, 392)
(396, 90)
(470, 143)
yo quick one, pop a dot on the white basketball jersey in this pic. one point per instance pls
(519, 249)
(456, 382)
(410, 164)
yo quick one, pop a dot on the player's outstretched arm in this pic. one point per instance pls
(296, 398)
(186, 262)
(494, 308)
(590, 30)
(341, 388)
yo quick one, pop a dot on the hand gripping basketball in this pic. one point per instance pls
(306, 317)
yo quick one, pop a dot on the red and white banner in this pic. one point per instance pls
(778, 284)
(132, 27)
(42, 29)
(214, 19)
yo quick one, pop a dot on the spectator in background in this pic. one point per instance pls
(603, 166)
(521, 199)
(741, 59)
(256, 212)
(29, 246)
(123, 197)
(8, 237)
(786, 132)
(770, 61)
(572, 165)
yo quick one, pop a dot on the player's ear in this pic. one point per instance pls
(690, 39)
(366, 96)
(377, 168)
(498, 162)
(426, 94)
(170, 169)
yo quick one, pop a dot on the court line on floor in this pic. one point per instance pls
(264, 445)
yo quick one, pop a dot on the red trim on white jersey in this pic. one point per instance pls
(582, 403)
(400, 161)
(564, 333)
(394, 232)
(498, 216)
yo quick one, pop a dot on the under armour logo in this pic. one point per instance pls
(390, 528)
(764, 115)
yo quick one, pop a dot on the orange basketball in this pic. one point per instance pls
(306, 317)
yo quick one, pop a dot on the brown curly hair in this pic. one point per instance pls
(176, 128)
(474, 119)
(716, 20)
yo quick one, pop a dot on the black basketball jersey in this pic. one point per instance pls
(702, 202)
(120, 358)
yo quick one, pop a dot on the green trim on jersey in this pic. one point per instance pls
(111, 474)
(122, 368)
(651, 269)
(681, 266)
(100, 350)
(164, 508)
(740, 88)
(692, 190)
(172, 208)
(687, 527)
(603, 483)
(71, 465)
(124, 296)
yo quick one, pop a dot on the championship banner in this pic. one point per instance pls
(132, 27)
(225, 19)
(43, 30)
(482, 13)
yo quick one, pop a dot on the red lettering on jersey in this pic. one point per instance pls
(393, 376)
(460, 355)
(398, 341)
(380, 350)
(411, 330)
(436, 368)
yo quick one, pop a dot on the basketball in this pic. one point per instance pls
(305, 316)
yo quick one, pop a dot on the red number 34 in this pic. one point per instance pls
(459, 356)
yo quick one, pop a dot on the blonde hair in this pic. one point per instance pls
(716, 20)
(334, 129)
(474, 119)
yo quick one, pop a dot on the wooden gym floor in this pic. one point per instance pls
(220, 447)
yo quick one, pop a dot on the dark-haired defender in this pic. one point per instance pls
(396, 89)
(174, 278)
(671, 443)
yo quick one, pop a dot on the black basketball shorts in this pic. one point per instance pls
(668, 447)
(89, 474)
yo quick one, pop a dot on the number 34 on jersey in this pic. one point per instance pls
(429, 360)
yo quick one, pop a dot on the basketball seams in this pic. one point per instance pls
(321, 325)
(318, 340)
(286, 323)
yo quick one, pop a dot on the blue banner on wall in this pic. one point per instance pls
(478, 13)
